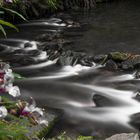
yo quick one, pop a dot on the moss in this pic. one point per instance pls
(120, 56)
(14, 127)
(64, 136)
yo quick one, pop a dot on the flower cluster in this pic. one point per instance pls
(6, 80)
(18, 108)
(35, 114)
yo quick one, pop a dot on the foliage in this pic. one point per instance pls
(12, 130)
(10, 12)
(64, 136)
(17, 76)
(29, 8)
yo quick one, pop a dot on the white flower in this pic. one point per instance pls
(38, 110)
(42, 121)
(32, 108)
(3, 112)
(8, 77)
(14, 91)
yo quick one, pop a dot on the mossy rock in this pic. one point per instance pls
(65, 136)
(40, 131)
(119, 56)
(17, 128)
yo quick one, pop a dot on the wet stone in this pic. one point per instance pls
(100, 58)
(124, 136)
(127, 65)
(111, 65)
(137, 75)
(119, 56)
(101, 101)
(136, 60)
(42, 130)
(34, 53)
(135, 120)
(64, 60)
(48, 37)
(28, 45)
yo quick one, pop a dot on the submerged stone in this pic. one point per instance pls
(101, 101)
(135, 120)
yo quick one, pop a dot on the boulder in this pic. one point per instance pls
(132, 62)
(124, 136)
(137, 75)
(100, 58)
(111, 65)
(135, 120)
(119, 56)
(101, 101)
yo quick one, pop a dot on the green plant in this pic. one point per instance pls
(64, 136)
(12, 131)
(10, 12)
(53, 3)
(85, 138)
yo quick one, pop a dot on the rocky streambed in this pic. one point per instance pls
(85, 65)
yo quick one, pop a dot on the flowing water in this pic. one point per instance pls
(95, 101)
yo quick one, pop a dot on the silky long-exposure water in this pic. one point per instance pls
(95, 101)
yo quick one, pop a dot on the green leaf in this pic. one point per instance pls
(14, 12)
(5, 23)
(3, 31)
(18, 76)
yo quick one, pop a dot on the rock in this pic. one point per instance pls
(41, 130)
(119, 56)
(135, 120)
(100, 58)
(137, 96)
(28, 45)
(64, 61)
(124, 136)
(66, 58)
(131, 63)
(38, 131)
(136, 60)
(47, 37)
(127, 65)
(137, 75)
(102, 101)
(86, 62)
(111, 65)
(73, 58)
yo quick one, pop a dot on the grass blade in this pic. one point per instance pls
(5, 23)
(14, 12)
(3, 31)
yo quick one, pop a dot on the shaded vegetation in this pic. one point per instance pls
(64, 136)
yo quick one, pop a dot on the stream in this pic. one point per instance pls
(95, 101)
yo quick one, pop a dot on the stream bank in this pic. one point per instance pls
(95, 101)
